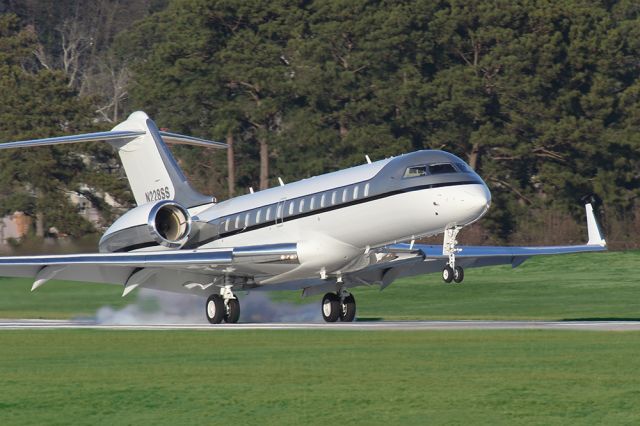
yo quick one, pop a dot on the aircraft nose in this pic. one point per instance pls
(476, 200)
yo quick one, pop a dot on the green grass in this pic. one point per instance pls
(351, 377)
(56, 299)
(582, 286)
(319, 377)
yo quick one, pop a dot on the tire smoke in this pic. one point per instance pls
(159, 307)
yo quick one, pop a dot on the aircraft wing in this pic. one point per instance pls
(403, 260)
(171, 270)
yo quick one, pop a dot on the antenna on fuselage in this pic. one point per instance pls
(368, 159)
(280, 180)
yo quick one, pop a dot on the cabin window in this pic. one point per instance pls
(291, 208)
(267, 216)
(258, 214)
(312, 204)
(415, 171)
(323, 200)
(237, 222)
(355, 192)
(344, 195)
(247, 219)
(366, 190)
(301, 206)
(226, 225)
(435, 169)
(333, 197)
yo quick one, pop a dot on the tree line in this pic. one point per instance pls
(540, 97)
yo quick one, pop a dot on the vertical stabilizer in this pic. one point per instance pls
(152, 171)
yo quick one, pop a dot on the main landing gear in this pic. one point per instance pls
(340, 306)
(451, 271)
(223, 307)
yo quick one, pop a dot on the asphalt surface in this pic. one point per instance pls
(37, 324)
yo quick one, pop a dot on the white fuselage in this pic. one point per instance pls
(334, 238)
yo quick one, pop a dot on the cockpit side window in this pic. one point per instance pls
(439, 168)
(415, 171)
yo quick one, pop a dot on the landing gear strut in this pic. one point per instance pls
(340, 306)
(224, 306)
(451, 272)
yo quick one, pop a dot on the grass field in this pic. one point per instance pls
(354, 377)
(319, 377)
(584, 286)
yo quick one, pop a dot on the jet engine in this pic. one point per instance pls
(169, 224)
(164, 223)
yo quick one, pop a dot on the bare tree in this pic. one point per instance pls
(107, 81)
(75, 42)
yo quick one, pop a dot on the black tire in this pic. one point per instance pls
(330, 307)
(214, 309)
(447, 274)
(348, 309)
(232, 314)
(458, 274)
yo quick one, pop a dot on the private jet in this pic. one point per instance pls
(325, 234)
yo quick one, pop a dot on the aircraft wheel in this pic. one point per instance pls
(215, 309)
(458, 274)
(232, 314)
(348, 309)
(447, 274)
(330, 307)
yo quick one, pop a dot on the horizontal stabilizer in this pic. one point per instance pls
(86, 137)
(190, 140)
(114, 135)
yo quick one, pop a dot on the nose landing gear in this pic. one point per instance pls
(451, 271)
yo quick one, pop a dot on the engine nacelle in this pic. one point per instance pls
(165, 222)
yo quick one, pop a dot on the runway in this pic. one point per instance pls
(38, 324)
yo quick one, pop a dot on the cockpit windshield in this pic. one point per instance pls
(415, 171)
(436, 169)
(430, 169)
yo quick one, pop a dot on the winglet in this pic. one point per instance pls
(595, 235)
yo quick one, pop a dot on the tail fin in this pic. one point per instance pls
(152, 171)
